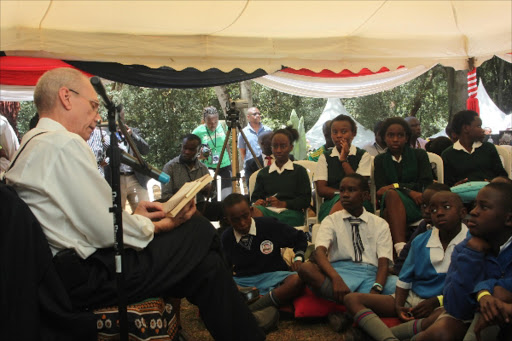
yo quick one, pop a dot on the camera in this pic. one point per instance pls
(205, 151)
(233, 111)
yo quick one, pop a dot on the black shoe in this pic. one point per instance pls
(250, 294)
(340, 322)
(267, 318)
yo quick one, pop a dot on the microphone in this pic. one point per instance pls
(100, 90)
(150, 171)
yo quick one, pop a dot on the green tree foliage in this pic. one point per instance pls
(166, 115)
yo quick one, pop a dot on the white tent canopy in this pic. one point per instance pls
(333, 108)
(254, 34)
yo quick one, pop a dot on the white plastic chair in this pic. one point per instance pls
(505, 153)
(438, 161)
(252, 182)
(151, 188)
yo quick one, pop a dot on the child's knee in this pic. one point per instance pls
(306, 271)
(352, 299)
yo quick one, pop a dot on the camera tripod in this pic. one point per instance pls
(233, 123)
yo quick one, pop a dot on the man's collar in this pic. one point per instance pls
(287, 166)
(364, 216)
(458, 146)
(335, 153)
(46, 123)
(252, 231)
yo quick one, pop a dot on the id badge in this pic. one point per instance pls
(215, 158)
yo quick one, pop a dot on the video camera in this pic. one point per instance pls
(233, 111)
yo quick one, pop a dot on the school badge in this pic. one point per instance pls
(266, 247)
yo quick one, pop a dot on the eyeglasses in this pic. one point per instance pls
(94, 104)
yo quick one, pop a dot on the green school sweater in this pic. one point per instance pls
(483, 164)
(291, 186)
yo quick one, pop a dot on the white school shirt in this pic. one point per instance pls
(335, 234)
(364, 167)
(56, 175)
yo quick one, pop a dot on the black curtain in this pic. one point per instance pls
(164, 77)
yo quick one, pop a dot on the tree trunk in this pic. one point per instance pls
(420, 94)
(222, 96)
(457, 90)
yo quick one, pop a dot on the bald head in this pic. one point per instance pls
(66, 96)
(47, 88)
(414, 124)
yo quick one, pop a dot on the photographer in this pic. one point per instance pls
(212, 134)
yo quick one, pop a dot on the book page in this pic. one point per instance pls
(186, 193)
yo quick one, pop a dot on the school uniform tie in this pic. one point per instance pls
(356, 239)
(269, 160)
(246, 241)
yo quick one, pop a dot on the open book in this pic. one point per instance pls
(186, 193)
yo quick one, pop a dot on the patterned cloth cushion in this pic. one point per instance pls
(152, 319)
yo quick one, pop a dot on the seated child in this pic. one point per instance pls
(494, 321)
(252, 246)
(353, 248)
(401, 175)
(479, 264)
(425, 224)
(339, 161)
(421, 280)
(470, 159)
(282, 190)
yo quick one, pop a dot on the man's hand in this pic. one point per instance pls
(478, 244)
(168, 223)
(425, 308)
(339, 288)
(152, 210)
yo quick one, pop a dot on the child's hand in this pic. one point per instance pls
(296, 265)
(404, 314)
(461, 182)
(260, 202)
(274, 202)
(340, 289)
(345, 149)
(478, 244)
(417, 197)
(425, 308)
(493, 310)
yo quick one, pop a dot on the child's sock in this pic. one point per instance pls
(407, 330)
(399, 247)
(266, 301)
(368, 321)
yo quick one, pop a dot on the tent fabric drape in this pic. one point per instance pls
(334, 87)
(140, 75)
(252, 35)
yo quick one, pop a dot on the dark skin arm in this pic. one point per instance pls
(382, 273)
(425, 308)
(340, 289)
(401, 311)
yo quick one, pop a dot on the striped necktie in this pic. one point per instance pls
(246, 241)
(356, 239)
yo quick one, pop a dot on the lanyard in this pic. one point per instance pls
(214, 141)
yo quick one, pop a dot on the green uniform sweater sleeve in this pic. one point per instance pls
(425, 177)
(302, 197)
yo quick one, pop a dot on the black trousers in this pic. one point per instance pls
(184, 262)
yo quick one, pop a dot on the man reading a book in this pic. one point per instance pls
(185, 168)
(56, 175)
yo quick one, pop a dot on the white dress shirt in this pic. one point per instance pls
(56, 175)
(335, 234)
(8, 141)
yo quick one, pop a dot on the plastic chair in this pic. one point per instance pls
(252, 182)
(439, 166)
(151, 188)
(505, 153)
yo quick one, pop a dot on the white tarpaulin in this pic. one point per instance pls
(252, 34)
(490, 114)
(333, 108)
(322, 87)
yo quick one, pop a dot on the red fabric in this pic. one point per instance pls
(330, 74)
(27, 70)
(309, 305)
(472, 102)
